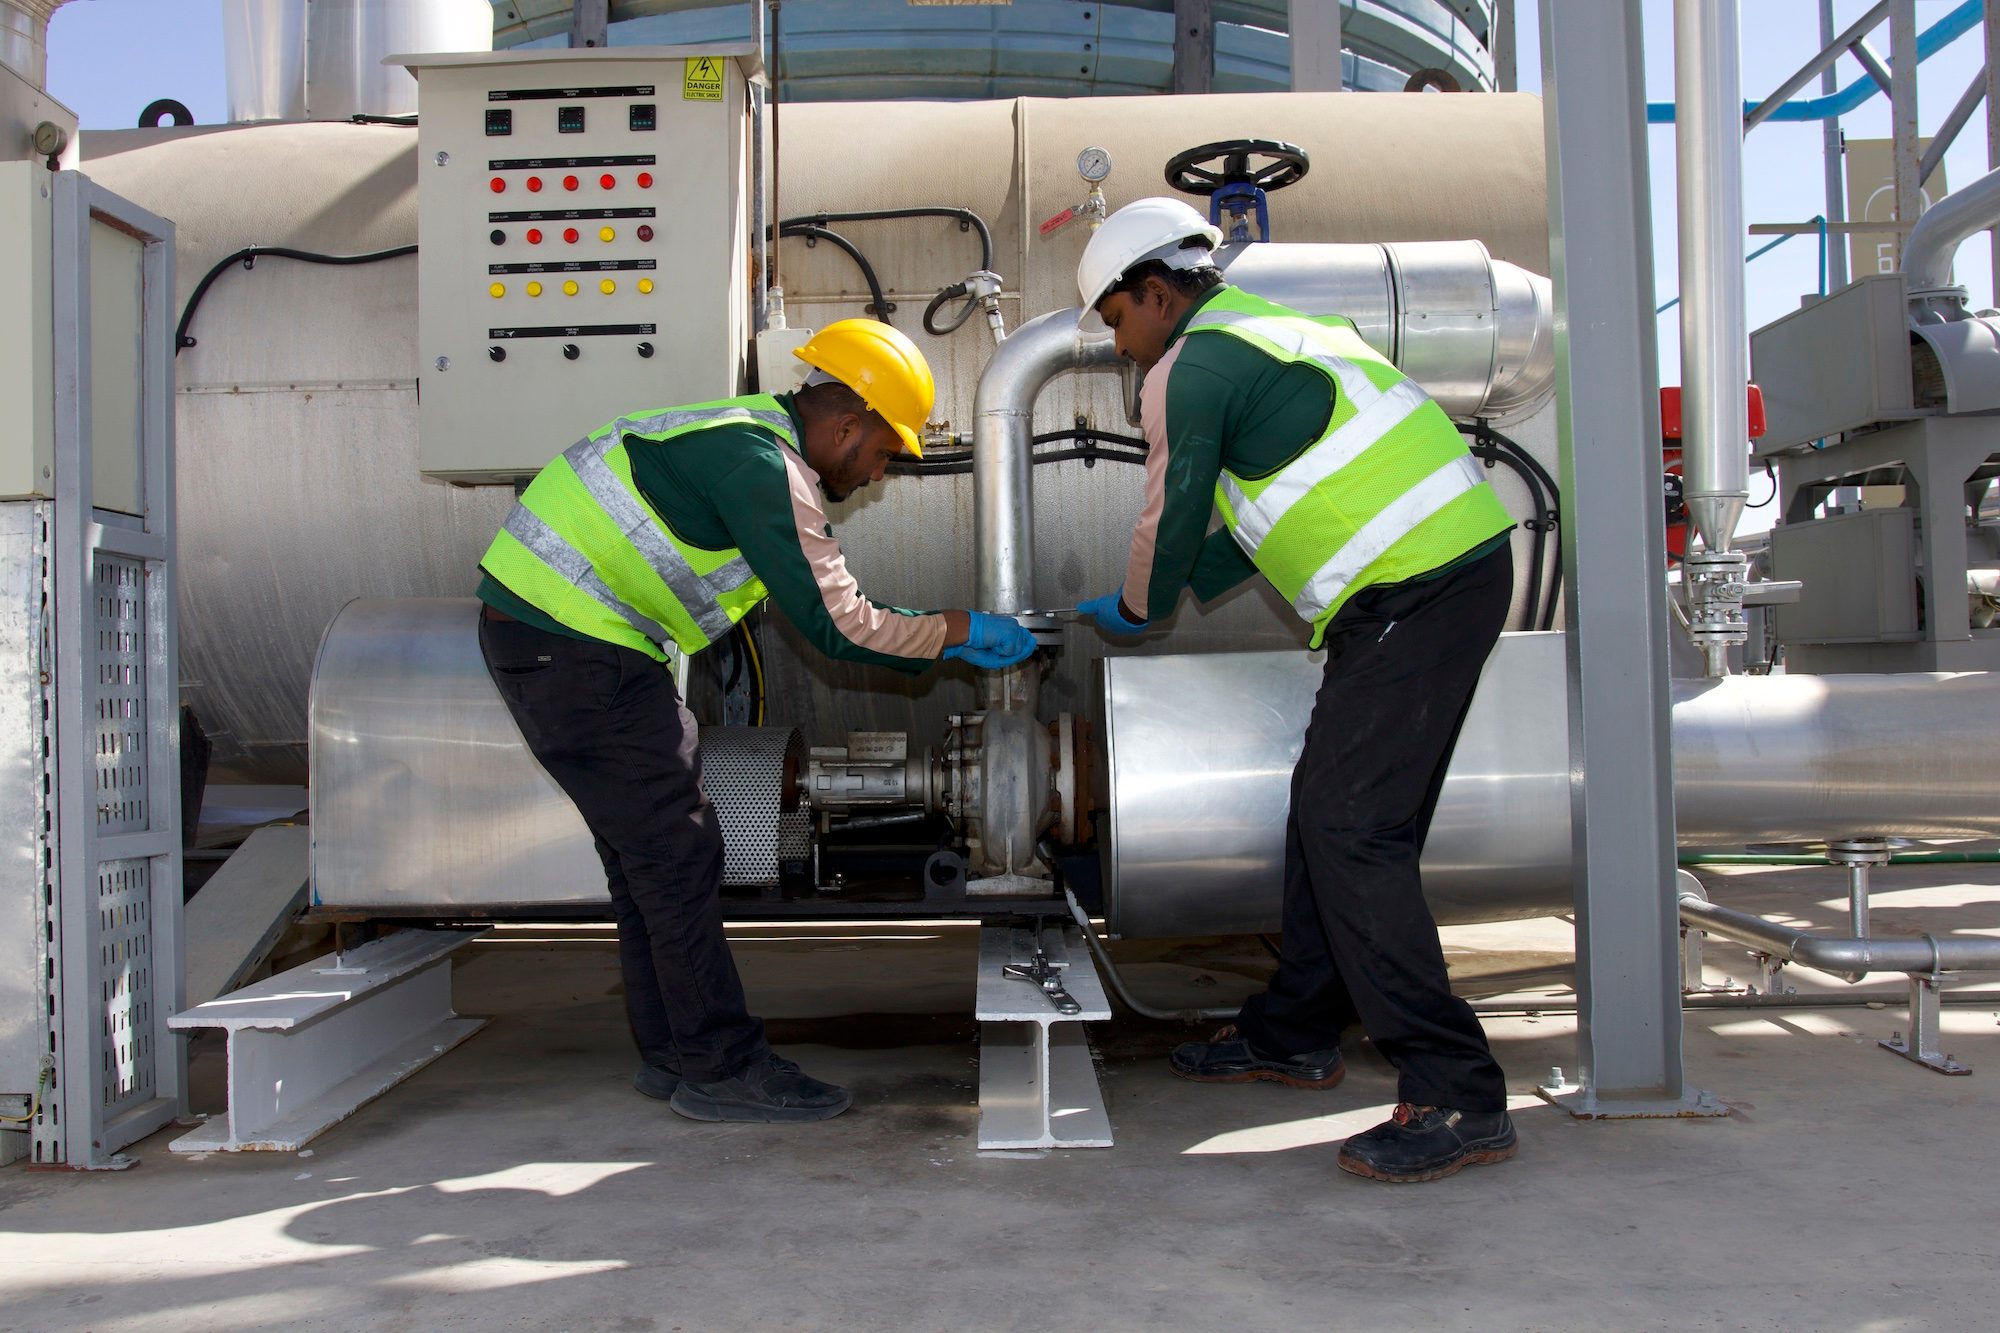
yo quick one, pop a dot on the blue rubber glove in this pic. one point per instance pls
(993, 642)
(1104, 610)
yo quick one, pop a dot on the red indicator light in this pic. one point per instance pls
(607, 180)
(645, 180)
(534, 236)
(569, 234)
(645, 232)
(534, 185)
(569, 182)
(498, 186)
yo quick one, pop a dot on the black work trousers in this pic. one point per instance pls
(608, 725)
(1359, 941)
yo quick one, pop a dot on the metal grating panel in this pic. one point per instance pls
(118, 587)
(125, 982)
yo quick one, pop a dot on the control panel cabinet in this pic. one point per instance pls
(583, 246)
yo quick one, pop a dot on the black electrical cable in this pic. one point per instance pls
(880, 308)
(249, 256)
(1553, 513)
(967, 221)
(1537, 544)
(1773, 476)
(364, 118)
(958, 462)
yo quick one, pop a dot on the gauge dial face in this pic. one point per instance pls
(1093, 164)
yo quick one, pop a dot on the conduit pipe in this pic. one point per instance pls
(1935, 239)
(1848, 954)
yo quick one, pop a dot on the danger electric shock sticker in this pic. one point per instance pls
(703, 80)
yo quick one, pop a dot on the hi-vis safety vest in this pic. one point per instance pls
(1388, 492)
(583, 547)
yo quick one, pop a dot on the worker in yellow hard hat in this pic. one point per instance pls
(667, 527)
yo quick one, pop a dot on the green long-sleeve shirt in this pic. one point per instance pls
(1215, 401)
(740, 486)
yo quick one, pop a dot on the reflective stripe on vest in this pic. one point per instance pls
(598, 467)
(1380, 403)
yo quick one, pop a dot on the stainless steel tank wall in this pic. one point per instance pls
(297, 411)
(1199, 791)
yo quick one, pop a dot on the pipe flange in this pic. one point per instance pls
(1858, 851)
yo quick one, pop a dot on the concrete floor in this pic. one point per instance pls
(519, 1182)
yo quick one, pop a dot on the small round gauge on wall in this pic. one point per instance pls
(1093, 164)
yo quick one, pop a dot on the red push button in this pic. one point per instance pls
(645, 233)
(534, 236)
(607, 180)
(645, 180)
(569, 234)
(534, 185)
(497, 185)
(570, 182)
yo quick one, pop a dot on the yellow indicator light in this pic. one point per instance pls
(607, 234)
(534, 289)
(497, 290)
(569, 288)
(645, 285)
(607, 286)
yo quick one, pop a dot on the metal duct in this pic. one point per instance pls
(24, 38)
(322, 59)
(1476, 332)
(1201, 752)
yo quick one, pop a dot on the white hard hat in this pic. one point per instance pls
(1143, 229)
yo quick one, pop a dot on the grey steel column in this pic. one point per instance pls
(1502, 40)
(1903, 117)
(1194, 47)
(1715, 361)
(590, 23)
(1621, 794)
(1314, 27)
(1833, 150)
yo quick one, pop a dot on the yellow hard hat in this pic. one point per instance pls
(882, 365)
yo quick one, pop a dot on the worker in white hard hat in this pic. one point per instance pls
(1348, 489)
(662, 530)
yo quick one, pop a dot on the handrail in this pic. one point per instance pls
(1933, 39)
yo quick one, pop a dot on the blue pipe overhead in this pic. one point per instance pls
(1934, 39)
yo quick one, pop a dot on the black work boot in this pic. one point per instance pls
(1228, 1058)
(770, 1090)
(1428, 1143)
(656, 1081)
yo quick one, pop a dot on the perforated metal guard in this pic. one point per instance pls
(125, 983)
(119, 653)
(743, 772)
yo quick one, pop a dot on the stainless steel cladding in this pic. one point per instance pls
(1197, 813)
(423, 795)
(294, 60)
(1476, 332)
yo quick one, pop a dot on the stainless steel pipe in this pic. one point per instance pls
(24, 38)
(1855, 956)
(1201, 748)
(1935, 239)
(1003, 430)
(1715, 371)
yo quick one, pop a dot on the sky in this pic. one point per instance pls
(109, 58)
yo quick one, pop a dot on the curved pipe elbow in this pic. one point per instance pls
(1935, 239)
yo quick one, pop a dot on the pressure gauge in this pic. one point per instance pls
(51, 138)
(1093, 164)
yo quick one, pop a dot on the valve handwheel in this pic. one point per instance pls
(1209, 167)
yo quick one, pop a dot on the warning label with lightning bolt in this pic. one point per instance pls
(703, 80)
